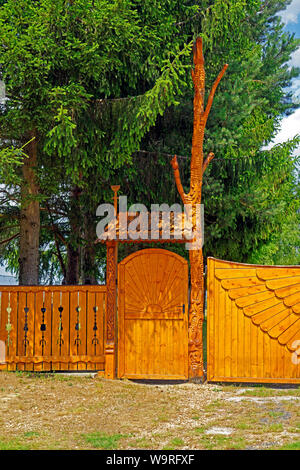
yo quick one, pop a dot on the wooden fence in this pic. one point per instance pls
(52, 327)
(253, 323)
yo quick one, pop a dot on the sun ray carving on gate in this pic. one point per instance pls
(269, 296)
(142, 295)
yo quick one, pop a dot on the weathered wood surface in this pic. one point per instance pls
(52, 327)
(253, 322)
(152, 322)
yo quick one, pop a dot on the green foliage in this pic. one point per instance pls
(10, 158)
(100, 440)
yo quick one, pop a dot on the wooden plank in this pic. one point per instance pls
(242, 282)
(287, 291)
(253, 332)
(31, 327)
(3, 314)
(144, 341)
(235, 273)
(273, 319)
(262, 318)
(234, 339)
(260, 352)
(282, 326)
(296, 308)
(267, 357)
(292, 299)
(240, 343)
(12, 336)
(140, 343)
(151, 348)
(271, 273)
(246, 291)
(217, 314)
(220, 363)
(254, 299)
(121, 321)
(21, 323)
(291, 332)
(228, 338)
(276, 284)
(247, 347)
(186, 321)
(60, 326)
(260, 306)
(42, 338)
(94, 325)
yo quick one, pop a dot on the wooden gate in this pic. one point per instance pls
(153, 316)
(253, 323)
(52, 327)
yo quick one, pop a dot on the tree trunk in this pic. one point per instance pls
(73, 248)
(89, 268)
(72, 273)
(29, 219)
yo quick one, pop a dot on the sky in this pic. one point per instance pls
(290, 125)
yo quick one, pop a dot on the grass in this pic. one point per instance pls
(141, 443)
(174, 444)
(270, 392)
(13, 444)
(223, 443)
(95, 413)
(274, 427)
(102, 440)
(292, 446)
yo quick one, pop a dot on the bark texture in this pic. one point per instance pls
(29, 219)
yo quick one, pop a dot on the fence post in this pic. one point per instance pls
(110, 317)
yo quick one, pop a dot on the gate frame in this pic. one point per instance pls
(110, 346)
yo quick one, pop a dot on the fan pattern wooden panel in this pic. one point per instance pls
(52, 327)
(253, 322)
(153, 315)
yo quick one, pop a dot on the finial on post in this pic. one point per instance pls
(115, 189)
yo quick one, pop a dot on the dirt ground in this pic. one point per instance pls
(55, 411)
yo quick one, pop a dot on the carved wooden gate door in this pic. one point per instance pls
(153, 316)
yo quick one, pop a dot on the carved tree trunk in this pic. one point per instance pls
(193, 198)
(29, 219)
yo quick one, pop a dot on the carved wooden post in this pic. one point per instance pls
(111, 300)
(111, 279)
(193, 198)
